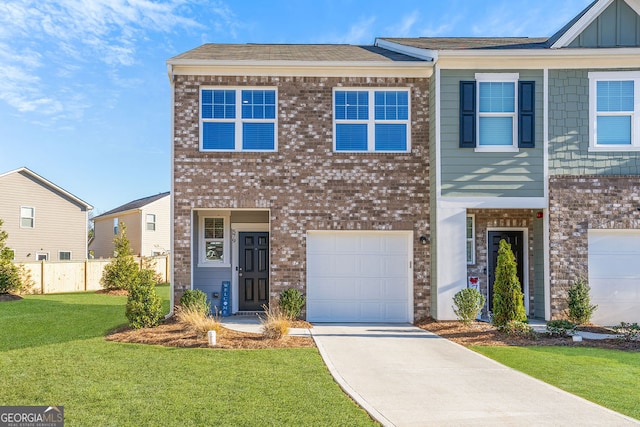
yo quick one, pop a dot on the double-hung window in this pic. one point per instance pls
(214, 241)
(151, 222)
(238, 119)
(373, 120)
(614, 111)
(27, 217)
(497, 112)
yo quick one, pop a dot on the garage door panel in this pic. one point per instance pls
(365, 279)
(614, 275)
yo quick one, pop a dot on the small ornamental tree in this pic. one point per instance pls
(580, 308)
(508, 300)
(144, 306)
(120, 273)
(10, 273)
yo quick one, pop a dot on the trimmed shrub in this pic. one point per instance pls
(291, 303)
(520, 329)
(580, 308)
(508, 300)
(561, 328)
(196, 300)
(467, 304)
(120, 273)
(13, 277)
(276, 324)
(144, 306)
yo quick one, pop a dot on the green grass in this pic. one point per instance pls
(52, 352)
(606, 377)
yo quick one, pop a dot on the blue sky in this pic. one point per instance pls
(84, 92)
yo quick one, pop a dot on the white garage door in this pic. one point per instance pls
(359, 276)
(614, 275)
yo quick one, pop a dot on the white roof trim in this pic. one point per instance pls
(50, 184)
(416, 52)
(634, 4)
(572, 33)
(578, 52)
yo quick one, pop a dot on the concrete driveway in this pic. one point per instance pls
(405, 376)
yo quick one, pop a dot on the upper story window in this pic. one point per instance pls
(27, 217)
(497, 112)
(214, 241)
(151, 222)
(614, 111)
(238, 119)
(115, 226)
(375, 120)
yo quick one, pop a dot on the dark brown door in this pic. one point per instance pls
(253, 271)
(515, 238)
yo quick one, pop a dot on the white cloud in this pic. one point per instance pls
(359, 33)
(405, 26)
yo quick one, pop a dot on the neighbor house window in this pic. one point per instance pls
(115, 225)
(238, 119)
(497, 112)
(151, 222)
(471, 242)
(214, 241)
(27, 217)
(374, 120)
(64, 255)
(42, 256)
(614, 107)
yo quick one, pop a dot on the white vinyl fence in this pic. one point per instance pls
(50, 277)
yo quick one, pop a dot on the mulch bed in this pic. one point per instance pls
(9, 297)
(482, 333)
(171, 333)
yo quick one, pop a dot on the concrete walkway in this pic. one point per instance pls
(405, 376)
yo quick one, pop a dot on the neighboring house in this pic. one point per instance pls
(44, 221)
(148, 227)
(533, 140)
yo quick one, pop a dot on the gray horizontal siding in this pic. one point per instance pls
(466, 173)
(569, 131)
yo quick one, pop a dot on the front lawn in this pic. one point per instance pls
(52, 352)
(607, 377)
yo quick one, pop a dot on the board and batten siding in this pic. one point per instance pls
(60, 222)
(466, 173)
(569, 131)
(617, 26)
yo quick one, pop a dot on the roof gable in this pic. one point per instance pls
(135, 204)
(54, 188)
(603, 24)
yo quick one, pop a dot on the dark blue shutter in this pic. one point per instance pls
(526, 114)
(467, 114)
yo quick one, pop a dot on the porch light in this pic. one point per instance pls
(423, 240)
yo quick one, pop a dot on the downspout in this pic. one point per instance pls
(171, 196)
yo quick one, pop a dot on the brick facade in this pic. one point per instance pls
(577, 204)
(305, 184)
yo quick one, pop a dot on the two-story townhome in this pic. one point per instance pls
(148, 222)
(532, 140)
(303, 166)
(44, 221)
(535, 140)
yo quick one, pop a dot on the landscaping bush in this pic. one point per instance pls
(120, 273)
(467, 304)
(508, 300)
(580, 308)
(519, 329)
(196, 320)
(276, 324)
(628, 331)
(291, 303)
(144, 306)
(561, 328)
(195, 300)
(13, 277)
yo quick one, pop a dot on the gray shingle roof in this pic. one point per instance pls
(292, 52)
(136, 204)
(456, 43)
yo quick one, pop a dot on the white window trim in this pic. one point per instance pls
(238, 121)
(471, 239)
(594, 78)
(497, 78)
(154, 222)
(226, 246)
(371, 121)
(46, 254)
(70, 256)
(33, 218)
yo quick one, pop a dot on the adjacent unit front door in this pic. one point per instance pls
(516, 239)
(253, 270)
